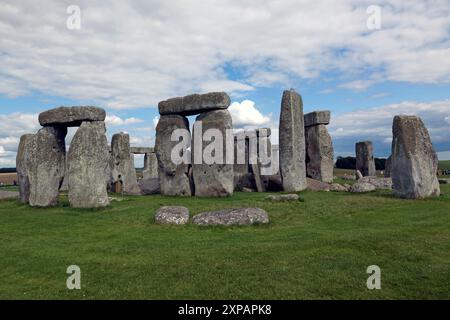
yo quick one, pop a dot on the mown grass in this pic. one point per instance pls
(316, 249)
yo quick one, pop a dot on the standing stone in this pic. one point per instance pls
(292, 142)
(388, 167)
(216, 179)
(365, 162)
(319, 149)
(46, 164)
(21, 167)
(150, 166)
(88, 166)
(173, 178)
(122, 167)
(414, 161)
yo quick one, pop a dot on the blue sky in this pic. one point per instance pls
(127, 56)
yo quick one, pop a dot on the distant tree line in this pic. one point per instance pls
(7, 170)
(350, 163)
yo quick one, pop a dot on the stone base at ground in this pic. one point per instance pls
(316, 185)
(227, 217)
(149, 186)
(361, 187)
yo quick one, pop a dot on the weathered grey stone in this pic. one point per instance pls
(283, 197)
(172, 215)
(149, 186)
(316, 185)
(71, 116)
(348, 177)
(241, 159)
(216, 179)
(364, 158)
(245, 180)
(194, 104)
(387, 167)
(361, 187)
(319, 153)
(379, 183)
(292, 142)
(317, 117)
(173, 178)
(88, 166)
(260, 187)
(141, 150)
(123, 171)
(227, 217)
(45, 163)
(150, 166)
(21, 167)
(359, 175)
(338, 187)
(414, 161)
(265, 132)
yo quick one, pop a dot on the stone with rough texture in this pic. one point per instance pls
(213, 180)
(361, 187)
(71, 116)
(149, 186)
(292, 142)
(387, 167)
(88, 166)
(364, 158)
(379, 183)
(194, 104)
(150, 166)
(260, 187)
(283, 197)
(45, 163)
(227, 217)
(123, 170)
(316, 185)
(21, 167)
(414, 161)
(173, 178)
(319, 153)
(338, 187)
(317, 117)
(172, 215)
(141, 150)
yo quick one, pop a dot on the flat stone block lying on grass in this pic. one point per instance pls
(283, 197)
(316, 185)
(227, 217)
(361, 187)
(172, 215)
(338, 187)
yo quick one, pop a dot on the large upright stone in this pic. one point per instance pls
(194, 104)
(319, 153)
(388, 167)
(150, 166)
(214, 179)
(414, 161)
(365, 162)
(88, 166)
(21, 167)
(173, 178)
(46, 164)
(292, 142)
(71, 116)
(123, 170)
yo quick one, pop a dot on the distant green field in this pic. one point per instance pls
(316, 249)
(444, 165)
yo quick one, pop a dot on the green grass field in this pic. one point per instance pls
(444, 165)
(316, 249)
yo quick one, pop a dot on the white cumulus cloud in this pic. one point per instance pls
(246, 114)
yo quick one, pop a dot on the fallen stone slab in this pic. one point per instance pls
(361, 187)
(379, 183)
(414, 160)
(283, 197)
(227, 217)
(194, 104)
(172, 215)
(316, 185)
(149, 186)
(317, 117)
(4, 195)
(71, 116)
(338, 187)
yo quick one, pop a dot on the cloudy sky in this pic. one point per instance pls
(128, 55)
